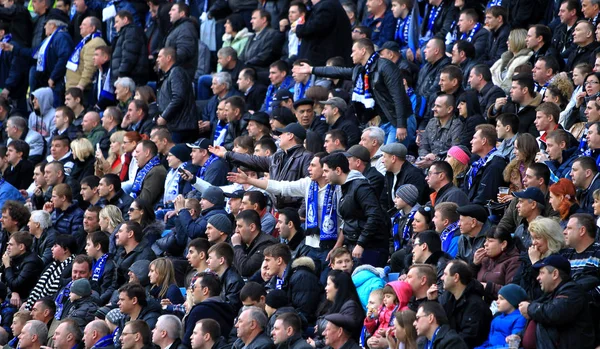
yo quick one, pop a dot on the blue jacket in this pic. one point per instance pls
(382, 29)
(189, 228)
(366, 279)
(210, 110)
(563, 170)
(8, 192)
(68, 221)
(503, 326)
(287, 84)
(13, 74)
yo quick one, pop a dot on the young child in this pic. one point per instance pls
(18, 322)
(396, 295)
(509, 320)
(341, 259)
(83, 306)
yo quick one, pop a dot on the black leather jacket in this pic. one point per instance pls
(390, 97)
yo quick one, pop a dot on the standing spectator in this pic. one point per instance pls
(266, 43)
(103, 93)
(183, 37)
(496, 20)
(334, 110)
(428, 83)
(175, 101)
(20, 23)
(13, 79)
(562, 38)
(80, 67)
(380, 21)
(254, 93)
(130, 52)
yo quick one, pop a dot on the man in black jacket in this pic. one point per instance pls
(265, 46)
(462, 300)
(585, 45)
(283, 338)
(109, 189)
(562, 315)
(539, 38)
(21, 266)
(385, 95)
(254, 93)
(429, 75)
(359, 160)
(176, 100)
(480, 80)
(220, 261)
(183, 37)
(21, 27)
(137, 118)
(366, 226)
(130, 52)
(131, 248)
(473, 32)
(249, 243)
(432, 323)
(496, 21)
(399, 172)
(562, 39)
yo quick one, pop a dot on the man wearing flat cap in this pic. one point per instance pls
(305, 113)
(334, 110)
(473, 224)
(360, 160)
(339, 332)
(562, 315)
(399, 172)
(288, 164)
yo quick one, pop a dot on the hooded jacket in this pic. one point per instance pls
(42, 121)
(469, 315)
(365, 223)
(563, 170)
(211, 308)
(367, 278)
(403, 293)
(83, 311)
(503, 325)
(130, 55)
(239, 42)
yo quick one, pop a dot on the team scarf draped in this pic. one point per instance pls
(434, 12)
(447, 234)
(61, 298)
(202, 171)
(471, 34)
(402, 27)
(40, 54)
(476, 166)
(141, 175)
(494, 3)
(328, 229)
(4, 40)
(220, 131)
(172, 185)
(98, 268)
(73, 62)
(583, 146)
(104, 341)
(362, 88)
(405, 230)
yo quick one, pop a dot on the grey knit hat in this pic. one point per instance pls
(114, 316)
(141, 269)
(409, 193)
(222, 223)
(81, 287)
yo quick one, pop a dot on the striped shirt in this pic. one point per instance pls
(49, 283)
(585, 268)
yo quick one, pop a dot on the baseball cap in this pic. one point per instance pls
(555, 260)
(294, 128)
(201, 143)
(532, 193)
(283, 95)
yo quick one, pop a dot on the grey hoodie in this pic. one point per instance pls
(42, 121)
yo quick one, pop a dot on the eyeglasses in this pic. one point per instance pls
(417, 317)
(131, 209)
(357, 31)
(591, 83)
(124, 333)
(432, 173)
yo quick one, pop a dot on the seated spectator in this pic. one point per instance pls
(250, 329)
(43, 310)
(258, 126)
(445, 219)
(399, 171)
(131, 248)
(462, 300)
(308, 117)
(473, 224)
(287, 330)
(584, 177)
(103, 93)
(420, 277)
(16, 128)
(546, 121)
(484, 175)
(525, 150)
(97, 335)
(359, 160)
(341, 259)
(257, 201)
(21, 266)
(34, 335)
(218, 229)
(139, 334)
(67, 217)
(208, 305)
(150, 175)
(470, 114)
(529, 207)
(177, 158)
(560, 154)
(507, 126)
(335, 141)
(509, 320)
(280, 80)
(212, 203)
(574, 325)
(20, 318)
(104, 277)
(210, 167)
(14, 217)
(254, 93)
(167, 332)
(134, 304)
(204, 327)
(40, 228)
(60, 150)
(585, 45)
(110, 220)
(63, 117)
(110, 192)
(50, 281)
(439, 178)
(74, 100)
(427, 249)
(562, 200)
(249, 243)
(41, 119)
(124, 92)
(20, 169)
(82, 304)
(83, 156)
(162, 281)
(518, 54)
(496, 263)
(220, 260)
(89, 191)
(480, 80)
(338, 332)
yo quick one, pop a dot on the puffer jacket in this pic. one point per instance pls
(42, 121)
(248, 259)
(498, 272)
(365, 222)
(503, 326)
(68, 221)
(83, 311)
(391, 101)
(176, 100)
(23, 273)
(183, 37)
(302, 287)
(239, 41)
(563, 170)
(212, 308)
(468, 315)
(130, 55)
(563, 318)
(504, 68)
(367, 278)
(290, 165)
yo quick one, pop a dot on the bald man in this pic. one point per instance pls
(92, 128)
(96, 334)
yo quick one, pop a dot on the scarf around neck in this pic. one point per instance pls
(362, 88)
(141, 175)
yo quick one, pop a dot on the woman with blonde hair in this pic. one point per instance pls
(525, 150)
(517, 55)
(110, 219)
(162, 282)
(404, 331)
(546, 238)
(112, 164)
(83, 152)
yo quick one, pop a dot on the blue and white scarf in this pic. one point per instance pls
(300, 88)
(220, 131)
(40, 54)
(434, 12)
(471, 34)
(402, 27)
(328, 229)
(141, 175)
(202, 172)
(280, 280)
(172, 185)
(98, 268)
(73, 62)
(104, 341)
(362, 88)
(583, 146)
(61, 298)
(398, 241)
(4, 40)
(476, 166)
(447, 234)
(494, 3)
